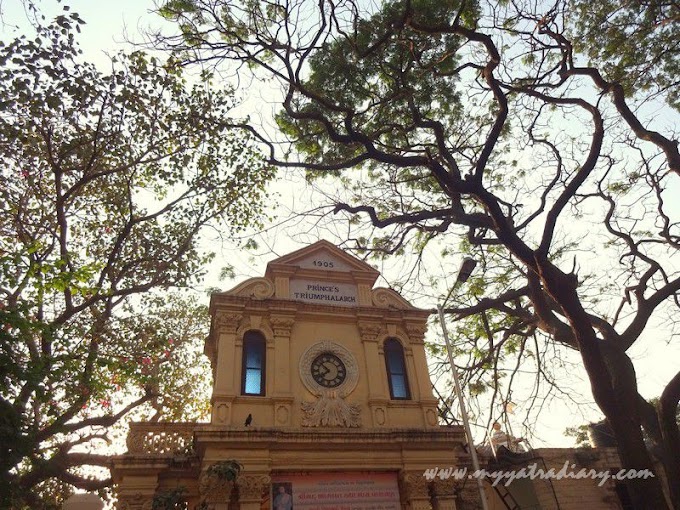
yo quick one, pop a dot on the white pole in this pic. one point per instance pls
(463, 410)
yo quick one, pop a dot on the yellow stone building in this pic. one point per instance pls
(321, 392)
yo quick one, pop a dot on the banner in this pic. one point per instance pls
(336, 491)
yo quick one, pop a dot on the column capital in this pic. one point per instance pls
(416, 331)
(415, 489)
(252, 487)
(369, 331)
(228, 322)
(214, 489)
(281, 325)
(137, 501)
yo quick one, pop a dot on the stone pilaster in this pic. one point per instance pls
(421, 380)
(227, 324)
(282, 326)
(224, 387)
(416, 336)
(377, 390)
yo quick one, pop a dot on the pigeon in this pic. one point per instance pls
(249, 420)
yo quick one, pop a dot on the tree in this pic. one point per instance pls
(451, 120)
(605, 31)
(107, 182)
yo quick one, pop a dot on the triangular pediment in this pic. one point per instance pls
(322, 256)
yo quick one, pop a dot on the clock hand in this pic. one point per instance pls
(330, 367)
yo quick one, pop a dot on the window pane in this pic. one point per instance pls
(399, 389)
(395, 360)
(253, 355)
(253, 383)
(253, 363)
(396, 369)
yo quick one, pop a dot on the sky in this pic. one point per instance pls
(111, 25)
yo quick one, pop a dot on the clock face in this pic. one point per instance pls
(328, 370)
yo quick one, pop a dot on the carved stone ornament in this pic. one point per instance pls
(282, 326)
(369, 330)
(351, 369)
(445, 488)
(416, 331)
(414, 485)
(167, 441)
(259, 288)
(214, 489)
(330, 411)
(470, 498)
(135, 502)
(387, 298)
(253, 487)
(228, 322)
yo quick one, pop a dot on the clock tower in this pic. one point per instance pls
(321, 393)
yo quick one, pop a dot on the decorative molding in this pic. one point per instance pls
(416, 332)
(445, 488)
(351, 367)
(214, 489)
(319, 249)
(469, 497)
(282, 414)
(253, 487)
(222, 413)
(262, 326)
(369, 331)
(282, 326)
(136, 501)
(445, 438)
(431, 417)
(258, 288)
(227, 322)
(414, 486)
(171, 441)
(379, 416)
(387, 298)
(330, 410)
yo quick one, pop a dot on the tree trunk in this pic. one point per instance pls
(614, 388)
(668, 405)
(646, 494)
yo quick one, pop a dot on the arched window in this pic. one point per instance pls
(396, 369)
(253, 368)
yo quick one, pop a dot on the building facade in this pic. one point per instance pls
(322, 400)
(321, 393)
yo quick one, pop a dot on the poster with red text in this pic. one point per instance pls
(335, 491)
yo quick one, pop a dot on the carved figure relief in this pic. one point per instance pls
(329, 371)
(330, 411)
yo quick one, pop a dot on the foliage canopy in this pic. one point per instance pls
(107, 181)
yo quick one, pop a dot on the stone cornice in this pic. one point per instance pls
(244, 304)
(328, 436)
